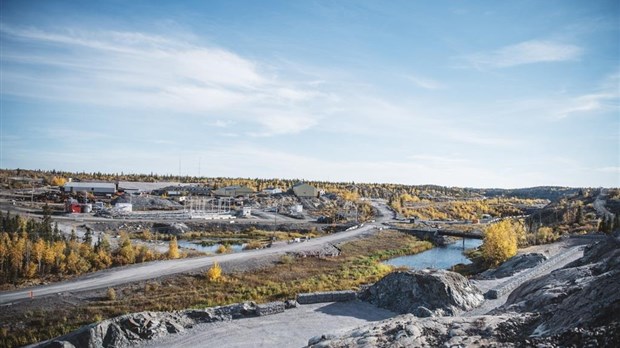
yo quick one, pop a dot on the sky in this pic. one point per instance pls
(456, 93)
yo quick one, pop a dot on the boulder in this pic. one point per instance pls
(175, 228)
(424, 293)
(514, 265)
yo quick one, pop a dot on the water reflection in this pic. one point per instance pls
(438, 257)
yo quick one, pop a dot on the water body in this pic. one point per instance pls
(439, 257)
(212, 249)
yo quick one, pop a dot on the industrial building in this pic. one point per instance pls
(303, 190)
(233, 191)
(96, 188)
(271, 191)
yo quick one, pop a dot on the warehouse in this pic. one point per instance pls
(303, 190)
(233, 191)
(96, 188)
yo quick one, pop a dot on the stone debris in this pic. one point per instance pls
(424, 293)
(410, 331)
(514, 265)
(577, 306)
(328, 296)
(131, 329)
(270, 308)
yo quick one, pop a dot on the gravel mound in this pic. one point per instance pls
(514, 265)
(424, 293)
(142, 203)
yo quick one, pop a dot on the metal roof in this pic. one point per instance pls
(83, 184)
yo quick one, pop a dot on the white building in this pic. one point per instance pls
(271, 191)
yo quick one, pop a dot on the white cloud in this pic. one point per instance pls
(274, 124)
(527, 52)
(425, 83)
(615, 170)
(152, 73)
(604, 98)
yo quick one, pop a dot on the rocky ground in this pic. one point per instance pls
(577, 305)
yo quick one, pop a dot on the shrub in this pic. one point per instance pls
(286, 259)
(111, 294)
(255, 244)
(214, 273)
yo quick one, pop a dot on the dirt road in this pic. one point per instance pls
(122, 275)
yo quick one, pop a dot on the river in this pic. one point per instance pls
(209, 249)
(439, 257)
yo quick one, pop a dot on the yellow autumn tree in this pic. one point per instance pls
(173, 249)
(500, 242)
(58, 181)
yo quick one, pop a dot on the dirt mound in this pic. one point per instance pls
(514, 265)
(424, 293)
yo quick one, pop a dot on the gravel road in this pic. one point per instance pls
(292, 328)
(127, 274)
(560, 254)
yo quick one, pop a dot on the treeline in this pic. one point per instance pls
(371, 190)
(36, 250)
(414, 206)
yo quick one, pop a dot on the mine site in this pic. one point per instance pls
(324, 173)
(134, 263)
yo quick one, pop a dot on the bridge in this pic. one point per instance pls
(452, 233)
(435, 234)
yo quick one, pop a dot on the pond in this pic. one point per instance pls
(439, 257)
(211, 249)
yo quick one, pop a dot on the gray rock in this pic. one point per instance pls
(288, 304)
(514, 265)
(409, 331)
(424, 293)
(270, 308)
(327, 296)
(131, 329)
(583, 293)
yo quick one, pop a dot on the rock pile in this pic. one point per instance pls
(175, 228)
(577, 306)
(410, 331)
(131, 329)
(424, 293)
(142, 203)
(584, 293)
(514, 265)
(327, 296)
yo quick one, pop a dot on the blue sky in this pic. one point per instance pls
(458, 93)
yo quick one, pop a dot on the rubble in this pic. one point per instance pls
(424, 293)
(514, 265)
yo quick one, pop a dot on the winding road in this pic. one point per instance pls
(139, 272)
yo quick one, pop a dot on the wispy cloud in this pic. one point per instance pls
(527, 52)
(424, 82)
(605, 97)
(148, 72)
